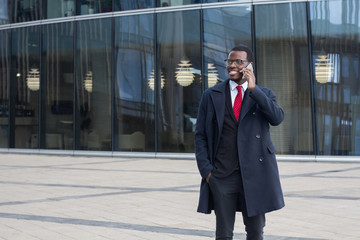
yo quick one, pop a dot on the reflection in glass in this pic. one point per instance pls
(213, 76)
(215, 1)
(180, 63)
(122, 5)
(58, 8)
(4, 87)
(84, 7)
(26, 10)
(57, 86)
(324, 69)
(167, 3)
(282, 65)
(93, 85)
(151, 80)
(184, 75)
(26, 78)
(221, 33)
(4, 11)
(134, 85)
(336, 42)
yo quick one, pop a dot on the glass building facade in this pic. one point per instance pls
(127, 76)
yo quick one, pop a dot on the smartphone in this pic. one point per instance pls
(251, 67)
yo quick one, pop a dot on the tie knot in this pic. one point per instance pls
(238, 87)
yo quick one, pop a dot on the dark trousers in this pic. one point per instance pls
(227, 194)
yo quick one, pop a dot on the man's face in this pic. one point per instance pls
(234, 67)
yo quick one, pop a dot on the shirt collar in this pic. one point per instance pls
(234, 84)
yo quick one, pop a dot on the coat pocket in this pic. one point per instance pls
(271, 148)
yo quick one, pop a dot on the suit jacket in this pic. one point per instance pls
(256, 151)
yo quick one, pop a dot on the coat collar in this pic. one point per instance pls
(246, 105)
(218, 99)
(221, 86)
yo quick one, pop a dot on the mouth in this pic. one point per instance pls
(233, 73)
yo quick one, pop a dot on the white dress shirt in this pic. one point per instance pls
(234, 91)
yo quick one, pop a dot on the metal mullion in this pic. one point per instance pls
(312, 83)
(114, 126)
(11, 99)
(75, 113)
(157, 86)
(253, 38)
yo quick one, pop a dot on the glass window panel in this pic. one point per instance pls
(26, 78)
(221, 33)
(168, 3)
(26, 10)
(4, 87)
(58, 8)
(282, 65)
(179, 62)
(57, 86)
(84, 7)
(215, 1)
(122, 5)
(134, 85)
(5, 11)
(93, 85)
(336, 47)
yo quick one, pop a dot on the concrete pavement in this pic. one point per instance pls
(63, 197)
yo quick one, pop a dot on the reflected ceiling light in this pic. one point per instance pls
(212, 75)
(184, 75)
(324, 69)
(88, 81)
(33, 79)
(151, 80)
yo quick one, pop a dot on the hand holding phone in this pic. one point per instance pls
(248, 66)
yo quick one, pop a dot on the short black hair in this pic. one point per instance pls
(244, 48)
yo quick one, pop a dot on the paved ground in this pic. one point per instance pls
(53, 197)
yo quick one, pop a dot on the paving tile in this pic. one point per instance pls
(57, 197)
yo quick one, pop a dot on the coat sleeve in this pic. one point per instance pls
(202, 151)
(266, 100)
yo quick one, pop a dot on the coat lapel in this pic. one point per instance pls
(218, 99)
(247, 104)
(228, 102)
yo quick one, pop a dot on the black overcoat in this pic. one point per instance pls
(257, 160)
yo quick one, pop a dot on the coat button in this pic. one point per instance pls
(261, 159)
(257, 136)
(254, 113)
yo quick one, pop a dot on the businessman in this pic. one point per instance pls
(234, 152)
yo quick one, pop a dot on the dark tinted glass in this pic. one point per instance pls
(221, 33)
(26, 10)
(179, 71)
(25, 76)
(5, 11)
(336, 58)
(168, 3)
(93, 85)
(282, 65)
(215, 1)
(58, 8)
(84, 7)
(57, 86)
(4, 87)
(122, 5)
(134, 85)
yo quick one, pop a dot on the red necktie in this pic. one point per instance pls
(237, 103)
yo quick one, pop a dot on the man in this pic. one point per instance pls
(234, 152)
